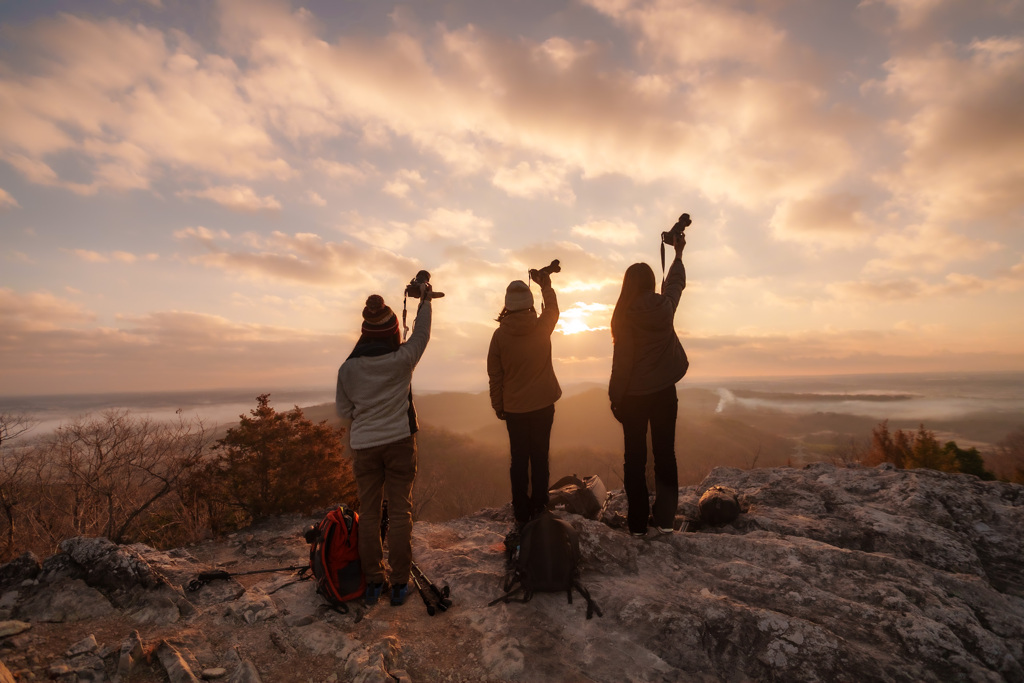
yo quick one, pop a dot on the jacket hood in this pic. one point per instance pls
(651, 311)
(519, 322)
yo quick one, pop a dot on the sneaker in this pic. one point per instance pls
(661, 529)
(638, 534)
(374, 591)
(398, 594)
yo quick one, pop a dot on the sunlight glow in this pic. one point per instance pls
(575, 319)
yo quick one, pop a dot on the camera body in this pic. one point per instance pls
(413, 288)
(676, 232)
(552, 267)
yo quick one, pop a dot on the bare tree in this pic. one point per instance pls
(112, 470)
(852, 451)
(1008, 459)
(14, 461)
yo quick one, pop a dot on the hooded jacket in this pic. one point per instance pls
(375, 392)
(648, 356)
(519, 367)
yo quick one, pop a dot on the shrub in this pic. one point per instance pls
(274, 463)
(922, 449)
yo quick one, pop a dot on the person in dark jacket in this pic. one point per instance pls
(647, 361)
(524, 390)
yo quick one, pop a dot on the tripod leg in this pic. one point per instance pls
(443, 601)
(430, 607)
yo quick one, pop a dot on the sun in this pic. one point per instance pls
(573, 326)
(579, 316)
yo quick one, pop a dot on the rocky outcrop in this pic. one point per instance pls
(827, 574)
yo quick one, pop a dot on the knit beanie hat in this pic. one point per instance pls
(518, 296)
(378, 320)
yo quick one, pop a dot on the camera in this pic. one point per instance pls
(676, 232)
(553, 267)
(413, 288)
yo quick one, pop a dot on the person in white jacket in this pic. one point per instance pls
(374, 399)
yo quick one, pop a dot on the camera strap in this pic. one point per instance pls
(663, 265)
(405, 327)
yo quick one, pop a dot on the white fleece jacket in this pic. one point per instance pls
(374, 391)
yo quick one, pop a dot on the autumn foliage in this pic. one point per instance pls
(909, 450)
(273, 463)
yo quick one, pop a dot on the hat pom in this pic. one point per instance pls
(374, 303)
(378, 320)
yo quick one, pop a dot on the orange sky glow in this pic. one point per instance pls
(202, 194)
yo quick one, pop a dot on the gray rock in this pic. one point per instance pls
(13, 628)
(253, 606)
(214, 673)
(245, 673)
(129, 655)
(828, 574)
(69, 600)
(174, 663)
(158, 607)
(25, 567)
(87, 644)
(400, 676)
(108, 566)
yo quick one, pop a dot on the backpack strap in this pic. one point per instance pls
(508, 597)
(592, 606)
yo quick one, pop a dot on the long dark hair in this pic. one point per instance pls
(639, 278)
(370, 345)
(506, 313)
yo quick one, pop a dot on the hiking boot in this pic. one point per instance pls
(398, 594)
(374, 591)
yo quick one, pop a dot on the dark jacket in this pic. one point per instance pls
(519, 367)
(647, 355)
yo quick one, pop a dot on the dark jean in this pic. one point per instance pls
(529, 435)
(659, 410)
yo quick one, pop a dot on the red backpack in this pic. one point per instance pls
(334, 557)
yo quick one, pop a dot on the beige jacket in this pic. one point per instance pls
(519, 360)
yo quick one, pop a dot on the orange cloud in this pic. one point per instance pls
(238, 197)
(834, 219)
(965, 144)
(6, 200)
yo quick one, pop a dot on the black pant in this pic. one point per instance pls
(529, 435)
(659, 410)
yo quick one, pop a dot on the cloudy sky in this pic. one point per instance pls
(202, 194)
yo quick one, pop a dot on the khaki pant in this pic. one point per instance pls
(386, 472)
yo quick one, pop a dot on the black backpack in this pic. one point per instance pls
(547, 560)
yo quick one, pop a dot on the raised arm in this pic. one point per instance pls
(675, 281)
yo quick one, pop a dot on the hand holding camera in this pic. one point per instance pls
(542, 276)
(420, 286)
(676, 233)
(676, 236)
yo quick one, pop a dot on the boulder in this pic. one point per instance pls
(22, 568)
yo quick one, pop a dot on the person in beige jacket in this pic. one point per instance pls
(524, 390)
